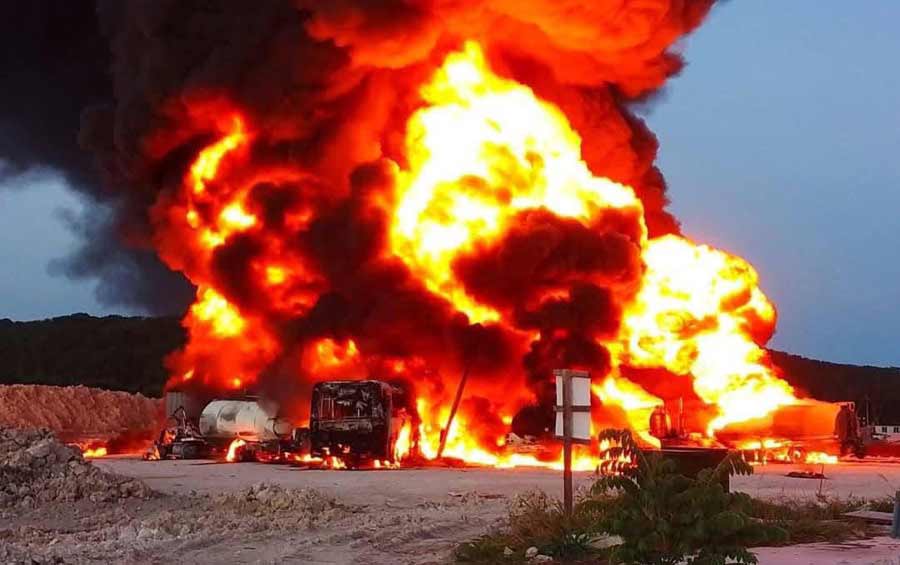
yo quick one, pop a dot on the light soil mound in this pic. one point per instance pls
(76, 411)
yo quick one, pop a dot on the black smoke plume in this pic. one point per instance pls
(56, 63)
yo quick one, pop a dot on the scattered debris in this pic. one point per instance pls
(284, 523)
(806, 475)
(604, 541)
(292, 507)
(487, 496)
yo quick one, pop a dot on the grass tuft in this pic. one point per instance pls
(823, 520)
(535, 520)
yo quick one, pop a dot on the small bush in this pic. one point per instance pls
(885, 504)
(809, 521)
(666, 518)
(536, 520)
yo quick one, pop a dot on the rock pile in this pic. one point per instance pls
(292, 507)
(35, 468)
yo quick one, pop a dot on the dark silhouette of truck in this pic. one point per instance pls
(358, 421)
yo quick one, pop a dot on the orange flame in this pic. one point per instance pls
(206, 166)
(479, 132)
(783, 451)
(403, 443)
(696, 314)
(212, 308)
(94, 452)
(637, 404)
(233, 448)
(821, 458)
(481, 150)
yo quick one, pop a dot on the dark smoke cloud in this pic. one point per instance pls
(56, 63)
(290, 58)
(53, 59)
(124, 276)
(327, 87)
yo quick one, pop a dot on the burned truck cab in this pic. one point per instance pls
(357, 421)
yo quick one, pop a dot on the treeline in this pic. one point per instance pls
(113, 352)
(119, 353)
(874, 389)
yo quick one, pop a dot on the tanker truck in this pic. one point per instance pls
(357, 421)
(221, 421)
(789, 433)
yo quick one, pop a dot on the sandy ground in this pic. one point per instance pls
(876, 551)
(860, 479)
(413, 516)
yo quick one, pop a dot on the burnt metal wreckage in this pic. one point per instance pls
(357, 421)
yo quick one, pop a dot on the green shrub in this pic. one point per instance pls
(663, 518)
(666, 518)
(536, 520)
(808, 521)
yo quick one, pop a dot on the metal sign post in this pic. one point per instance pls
(573, 421)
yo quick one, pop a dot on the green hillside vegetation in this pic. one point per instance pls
(877, 388)
(113, 352)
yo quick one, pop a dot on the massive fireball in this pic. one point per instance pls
(482, 150)
(483, 154)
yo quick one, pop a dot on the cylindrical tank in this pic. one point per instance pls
(807, 419)
(238, 418)
(660, 423)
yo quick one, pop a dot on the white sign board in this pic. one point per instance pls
(581, 404)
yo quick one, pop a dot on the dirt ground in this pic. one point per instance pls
(212, 513)
(861, 479)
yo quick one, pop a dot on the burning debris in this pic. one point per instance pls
(360, 421)
(36, 469)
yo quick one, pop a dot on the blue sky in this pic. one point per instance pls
(780, 143)
(31, 235)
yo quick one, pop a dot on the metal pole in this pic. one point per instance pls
(895, 525)
(446, 431)
(567, 442)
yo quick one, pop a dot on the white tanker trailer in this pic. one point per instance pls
(357, 420)
(190, 435)
(246, 419)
